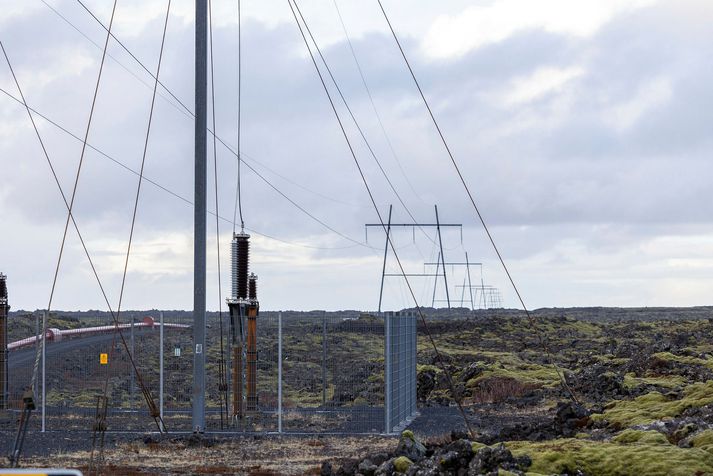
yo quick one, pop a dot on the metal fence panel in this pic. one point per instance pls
(338, 373)
(400, 355)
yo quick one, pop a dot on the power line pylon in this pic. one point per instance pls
(437, 225)
(467, 263)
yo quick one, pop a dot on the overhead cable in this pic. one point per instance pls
(238, 199)
(188, 201)
(222, 378)
(441, 362)
(183, 110)
(531, 318)
(373, 104)
(222, 142)
(356, 123)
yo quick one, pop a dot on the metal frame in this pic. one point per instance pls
(438, 225)
(400, 351)
(467, 263)
(292, 375)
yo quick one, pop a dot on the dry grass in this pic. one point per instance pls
(498, 389)
(243, 456)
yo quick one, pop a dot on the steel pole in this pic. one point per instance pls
(386, 250)
(160, 366)
(435, 281)
(387, 373)
(470, 285)
(199, 240)
(443, 257)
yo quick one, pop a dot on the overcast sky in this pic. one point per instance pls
(584, 130)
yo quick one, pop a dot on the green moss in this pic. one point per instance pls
(684, 359)
(426, 368)
(477, 445)
(640, 436)
(585, 328)
(704, 440)
(509, 365)
(408, 434)
(608, 358)
(655, 406)
(360, 402)
(699, 348)
(610, 458)
(402, 464)
(670, 381)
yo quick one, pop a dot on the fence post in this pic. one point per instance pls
(413, 373)
(387, 373)
(279, 372)
(414, 363)
(324, 360)
(131, 371)
(44, 376)
(37, 347)
(160, 367)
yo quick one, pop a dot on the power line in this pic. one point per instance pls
(244, 156)
(237, 155)
(219, 139)
(17, 451)
(183, 111)
(76, 182)
(119, 42)
(356, 123)
(222, 379)
(184, 199)
(376, 208)
(238, 201)
(542, 341)
(153, 410)
(373, 104)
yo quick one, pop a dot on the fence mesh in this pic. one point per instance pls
(335, 374)
(400, 348)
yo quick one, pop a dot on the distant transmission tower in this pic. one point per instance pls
(437, 225)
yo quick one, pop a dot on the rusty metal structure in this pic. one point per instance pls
(4, 311)
(244, 310)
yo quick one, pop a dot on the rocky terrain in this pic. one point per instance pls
(620, 392)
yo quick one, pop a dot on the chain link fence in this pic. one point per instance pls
(316, 373)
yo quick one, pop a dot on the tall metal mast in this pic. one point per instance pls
(199, 243)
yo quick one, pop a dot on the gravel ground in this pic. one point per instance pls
(431, 422)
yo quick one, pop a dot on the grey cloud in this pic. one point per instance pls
(577, 178)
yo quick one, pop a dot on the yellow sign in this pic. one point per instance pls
(103, 359)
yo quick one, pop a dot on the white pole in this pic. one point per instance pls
(160, 367)
(279, 372)
(44, 387)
